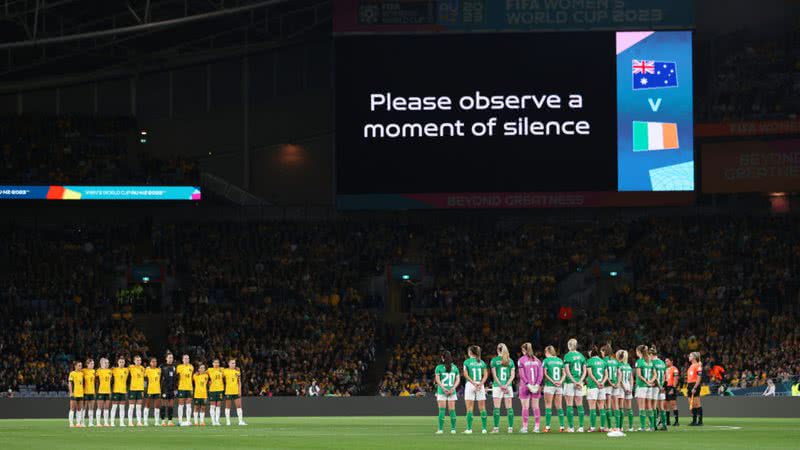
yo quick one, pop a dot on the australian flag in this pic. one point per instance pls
(654, 74)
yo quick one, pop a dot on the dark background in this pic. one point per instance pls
(456, 65)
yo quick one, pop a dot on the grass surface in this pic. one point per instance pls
(354, 433)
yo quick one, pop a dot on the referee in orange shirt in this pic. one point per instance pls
(672, 391)
(694, 377)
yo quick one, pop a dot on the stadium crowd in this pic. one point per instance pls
(289, 299)
(84, 150)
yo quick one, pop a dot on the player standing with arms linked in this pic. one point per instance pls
(660, 369)
(136, 392)
(200, 395)
(215, 393)
(169, 386)
(530, 373)
(104, 389)
(596, 377)
(476, 374)
(89, 392)
(233, 390)
(626, 380)
(76, 395)
(575, 364)
(694, 378)
(553, 378)
(612, 389)
(185, 372)
(672, 390)
(120, 392)
(447, 380)
(644, 377)
(503, 373)
(153, 399)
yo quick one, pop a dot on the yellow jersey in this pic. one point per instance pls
(153, 380)
(201, 385)
(104, 375)
(231, 381)
(137, 378)
(76, 379)
(217, 383)
(185, 372)
(88, 381)
(120, 375)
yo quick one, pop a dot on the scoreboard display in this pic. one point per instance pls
(421, 120)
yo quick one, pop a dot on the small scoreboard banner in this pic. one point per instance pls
(189, 193)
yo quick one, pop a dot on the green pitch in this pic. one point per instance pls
(353, 433)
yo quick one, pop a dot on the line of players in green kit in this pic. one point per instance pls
(603, 376)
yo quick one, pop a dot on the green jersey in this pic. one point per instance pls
(554, 368)
(647, 371)
(475, 368)
(503, 372)
(447, 376)
(597, 367)
(626, 372)
(661, 371)
(575, 362)
(612, 365)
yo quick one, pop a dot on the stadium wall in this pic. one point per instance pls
(43, 408)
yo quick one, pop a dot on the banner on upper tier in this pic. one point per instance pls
(189, 193)
(377, 16)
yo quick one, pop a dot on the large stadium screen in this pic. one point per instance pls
(440, 120)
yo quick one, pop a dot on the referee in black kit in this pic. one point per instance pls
(169, 384)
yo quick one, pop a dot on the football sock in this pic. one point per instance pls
(510, 417)
(441, 419)
(641, 418)
(71, 417)
(537, 414)
(561, 417)
(496, 417)
(525, 416)
(630, 417)
(452, 419)
(592, 417)
(469, 420)
(580, 416)
(240, 414)
(548, 414)
(700, 415)
(139, 413)
(570, 418)
(484, 419)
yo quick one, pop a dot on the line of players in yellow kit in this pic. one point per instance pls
(93, 391)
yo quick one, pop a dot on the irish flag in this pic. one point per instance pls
(648, 136)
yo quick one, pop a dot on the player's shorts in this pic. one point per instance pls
(470, 393)
(661, 394)
(231, 396)
(642, 392)
(199, 402)
(654, 393)
(215, 396)
(154, 396)
(184, 394)
(103, 397)
(168, 395)
(618, 393)
(629, 395)
(88, 397)
(78, 398)
(571, 390)
(596, 394)
(135, 395)
(445, 397)
(525, 393)
(498, 393)
(118, 397)
(609, 391)
(553, 390)
(671, 393)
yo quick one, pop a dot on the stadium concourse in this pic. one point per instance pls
(290, 301)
